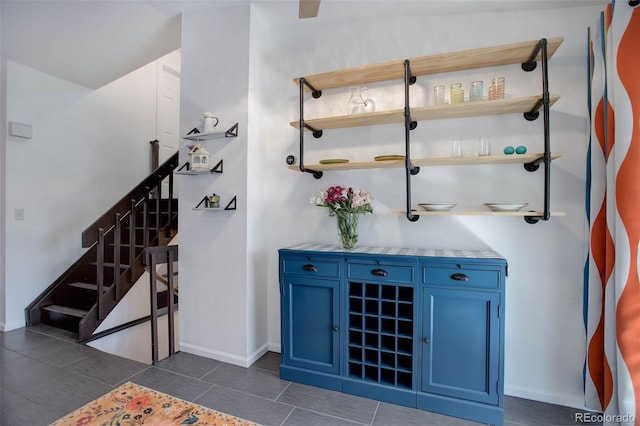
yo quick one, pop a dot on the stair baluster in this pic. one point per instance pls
(157, 210)
(132, 240)
(116, 257)
(145, 216)
(100, 275)
(170, 210)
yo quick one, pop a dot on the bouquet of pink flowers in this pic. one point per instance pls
(339, 200)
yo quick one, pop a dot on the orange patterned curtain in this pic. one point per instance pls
(612, 269)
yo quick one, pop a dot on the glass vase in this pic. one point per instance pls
(347, 229)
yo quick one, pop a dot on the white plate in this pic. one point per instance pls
(437, 207)
(513, 207)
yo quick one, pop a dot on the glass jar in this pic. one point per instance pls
(456, 93)
(477, 91)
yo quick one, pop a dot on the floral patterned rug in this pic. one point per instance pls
(131, 404)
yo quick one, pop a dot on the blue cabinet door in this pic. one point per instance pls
(310, 323)
(460, 344)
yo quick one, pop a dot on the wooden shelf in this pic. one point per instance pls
(479, 108)
(392, 164)
(430, 162)
(484, 159)
(432, 112)
(507, 54)
(478, 213)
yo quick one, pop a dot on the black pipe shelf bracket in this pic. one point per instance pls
(543, 103)
(409, 125)
(316, 133)
(535, 111)
(314, 92)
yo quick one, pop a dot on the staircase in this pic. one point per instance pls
(81, 298)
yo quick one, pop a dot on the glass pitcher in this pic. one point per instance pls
(359, 101)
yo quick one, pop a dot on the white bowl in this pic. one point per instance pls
(437, 207)
(508, 207)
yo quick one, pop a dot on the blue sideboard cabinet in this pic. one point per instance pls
(416, 327)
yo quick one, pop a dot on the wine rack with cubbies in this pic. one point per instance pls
(380, 340)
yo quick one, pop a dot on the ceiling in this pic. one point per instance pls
(94, 42)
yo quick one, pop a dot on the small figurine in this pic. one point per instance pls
(214, 200)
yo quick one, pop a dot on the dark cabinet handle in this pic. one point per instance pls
(310, 267)
(459, 277)
(379, 272)
(426, 340)
(335, 329)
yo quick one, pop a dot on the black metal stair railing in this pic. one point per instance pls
(84, 294)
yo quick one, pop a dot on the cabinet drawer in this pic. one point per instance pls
(380, 272)
(461, 276)
(310, 266)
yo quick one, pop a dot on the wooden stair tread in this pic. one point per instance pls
(66, 310)
(86, 286)
(110, 265)
(175, 274)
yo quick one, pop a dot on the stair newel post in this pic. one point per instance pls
(153, 300)
(117, 235)
(170, 292)
(100, 274)
(132, 239)
(145, 217)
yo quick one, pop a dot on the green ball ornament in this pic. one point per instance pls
(509, 150)
(521, 149)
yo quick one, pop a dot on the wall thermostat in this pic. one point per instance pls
(291, 159)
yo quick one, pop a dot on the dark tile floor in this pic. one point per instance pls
(46, 375)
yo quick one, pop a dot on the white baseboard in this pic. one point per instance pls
(11, 326)
(257, 354)
(567, 400)
(274, 347)
(225, 356)
(217, 355)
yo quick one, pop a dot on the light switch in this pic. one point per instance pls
(20, 130)
(19, 214)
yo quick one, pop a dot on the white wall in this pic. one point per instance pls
(89, 147)
(217, 314)
(544, 330)
(240, 64)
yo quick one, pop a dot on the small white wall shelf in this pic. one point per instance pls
(231, 205)
(196, 135)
